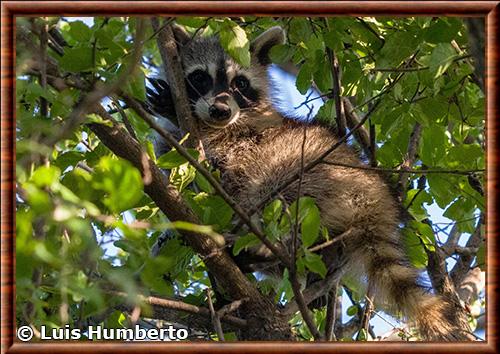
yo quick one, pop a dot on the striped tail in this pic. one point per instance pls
(394, 281)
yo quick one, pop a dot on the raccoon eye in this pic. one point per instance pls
(241, 83)
(201, 81)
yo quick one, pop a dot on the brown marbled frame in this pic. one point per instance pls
(10, 9)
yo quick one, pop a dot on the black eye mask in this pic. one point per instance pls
(198, 83)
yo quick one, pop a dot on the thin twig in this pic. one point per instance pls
(364, 139)
(410, 158)
(125, 119)
(405, 171)
(88, 103)
(367, 314)
(297, 292)
(43, 66)
(210, 178)
(389, 87)
(332, 241)
(229, 308)
(331, 313)
(285, 183)
(465, 260)
(337, 87)
(418, 68)
(215, 317)
(182, 306)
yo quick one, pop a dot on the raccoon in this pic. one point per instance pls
(256, 148)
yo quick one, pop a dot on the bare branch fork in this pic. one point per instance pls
(178, 305)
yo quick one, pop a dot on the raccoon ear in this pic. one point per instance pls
(180, 34)
(261, 45)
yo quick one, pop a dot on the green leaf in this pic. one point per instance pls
(153, 274)
(234, 40)
(217, 212)
(194, 22)
(305, 204)
(362, 335)
(112, 50)
(182, 176)
(326, 113)
(117, 319)
(77, 59)
(45, 176)
(213, 210)
(433, 110)
(299, 30)
(304, 78)
(440, 189)
(245, 242)
(68, 158)
(310, 226)
(441, 58)
(398, 46)
(443, 30)
(417, 198)
(121, 182)
(136, 85)
(80, 32)
(352, 310)
(433, 146)
(465, 156)
(462, 208)
(426, 234)
(272, 211)
(323, 74)
(203, 183)
(315, 263)
(281, 53)
(173, 159)
(414, 248)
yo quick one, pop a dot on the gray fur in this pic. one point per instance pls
(261, 148)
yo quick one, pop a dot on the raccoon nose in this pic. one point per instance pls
(222, 97)
(219, 111)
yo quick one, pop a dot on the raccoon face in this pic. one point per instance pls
(219, 89)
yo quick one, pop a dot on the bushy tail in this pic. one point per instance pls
(394, 281)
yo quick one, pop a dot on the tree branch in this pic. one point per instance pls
(464, 262)
(87, 104)
(218, 188)
(409, 159)
(182, 306)
(168, 199)
(332, 313)
(175, 77)
(214, 316)
(361, 135)
(405, 171)
(337, 87)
